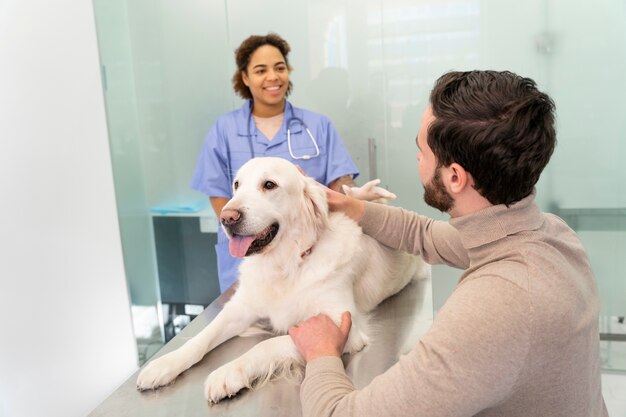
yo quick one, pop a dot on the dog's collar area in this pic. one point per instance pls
(306, 252)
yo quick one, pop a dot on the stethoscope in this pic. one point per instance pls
(290, 121)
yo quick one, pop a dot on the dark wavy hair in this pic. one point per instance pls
(498, 126)
(245, 51)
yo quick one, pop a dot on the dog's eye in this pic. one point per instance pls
(236, 184)
(269, 185)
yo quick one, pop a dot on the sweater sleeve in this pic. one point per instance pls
(436, 241)
(326, 384)
(469, 361)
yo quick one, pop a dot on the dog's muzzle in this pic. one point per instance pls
(246, 245)
(242, 243)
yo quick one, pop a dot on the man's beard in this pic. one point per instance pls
(436, 195)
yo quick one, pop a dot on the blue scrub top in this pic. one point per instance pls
(227, 147)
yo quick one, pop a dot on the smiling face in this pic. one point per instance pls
(267, 77)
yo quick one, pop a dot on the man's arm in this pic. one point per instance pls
(469, 361)
(436, 241)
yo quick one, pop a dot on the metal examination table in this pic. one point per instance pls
(399, 322)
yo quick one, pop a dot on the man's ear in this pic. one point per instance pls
(458, 178)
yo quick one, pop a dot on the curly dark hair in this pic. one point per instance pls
(498, 126)
(245, 51)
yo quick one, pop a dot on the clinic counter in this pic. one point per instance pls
(398, 322)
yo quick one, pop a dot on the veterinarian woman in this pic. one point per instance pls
(266, 125)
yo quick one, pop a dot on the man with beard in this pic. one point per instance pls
(519, 334)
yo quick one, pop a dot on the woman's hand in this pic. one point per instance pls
(370, 191)
(340, 183)
(319, 336)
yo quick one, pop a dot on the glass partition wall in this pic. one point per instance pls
(369, 65)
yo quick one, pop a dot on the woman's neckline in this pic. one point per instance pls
(268, 111)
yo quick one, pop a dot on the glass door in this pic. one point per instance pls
(165, 79)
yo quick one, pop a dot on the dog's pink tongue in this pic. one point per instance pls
(238, 245)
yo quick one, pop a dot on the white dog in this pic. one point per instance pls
(300, 260)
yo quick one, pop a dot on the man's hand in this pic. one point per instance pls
(319, 336)
(349, 206)
(337, 201)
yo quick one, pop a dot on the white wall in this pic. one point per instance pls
(66, 338)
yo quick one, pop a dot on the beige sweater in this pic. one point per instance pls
(517, 337)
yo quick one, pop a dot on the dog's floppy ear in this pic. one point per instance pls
(316, 205)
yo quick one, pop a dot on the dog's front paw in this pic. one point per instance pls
(160, 372)
(227, 381)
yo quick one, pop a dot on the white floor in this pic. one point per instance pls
(613, 357)
(614, 392)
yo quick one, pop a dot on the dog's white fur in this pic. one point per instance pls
(286, 283)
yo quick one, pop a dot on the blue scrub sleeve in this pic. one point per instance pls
(210, 175)
(339, 162)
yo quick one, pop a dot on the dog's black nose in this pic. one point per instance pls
(230, 217)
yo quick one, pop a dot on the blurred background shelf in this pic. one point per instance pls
(600, 219)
